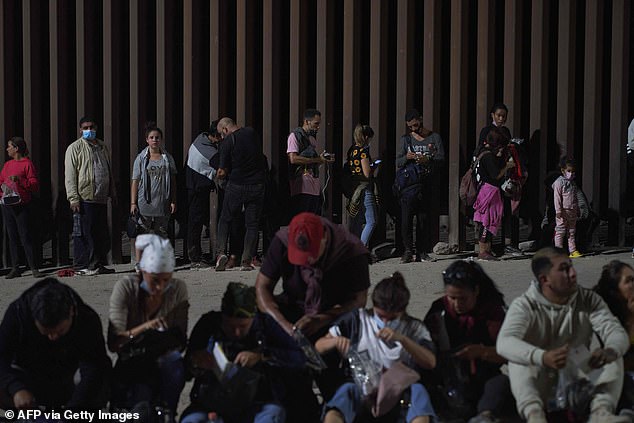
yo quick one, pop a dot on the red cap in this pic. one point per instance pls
(305, 233)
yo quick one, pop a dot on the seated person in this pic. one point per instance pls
(464, 325)
(542, 325)
(616, 287)
(239, 332)
(151, 300)
(49, 323)
(389, 335)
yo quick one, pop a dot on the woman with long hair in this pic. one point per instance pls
(18, 181)
(362, 189)
(464, 324)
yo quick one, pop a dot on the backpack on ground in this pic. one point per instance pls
(469, 186)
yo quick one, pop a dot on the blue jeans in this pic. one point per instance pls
(266, 413)
(251, 197)
(90, 248)
(348, 401)
(369, 203)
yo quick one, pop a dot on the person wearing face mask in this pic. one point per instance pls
(387, 334)
(464, 324)
(149, 300)
(89, 184)
(488, 208)
(566, 206)
(304, 161)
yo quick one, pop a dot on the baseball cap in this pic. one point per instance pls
(305, 233)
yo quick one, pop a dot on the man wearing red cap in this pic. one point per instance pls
(325, 273)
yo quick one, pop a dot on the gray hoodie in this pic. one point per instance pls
(534, 325)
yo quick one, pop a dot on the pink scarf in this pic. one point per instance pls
(489, 208)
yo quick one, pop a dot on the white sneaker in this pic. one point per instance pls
(602, 415)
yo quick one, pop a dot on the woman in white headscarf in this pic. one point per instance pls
(140, 302)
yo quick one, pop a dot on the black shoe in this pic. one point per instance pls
(407, 257)
(37, 274)
(509, 249)
(14, 273)
(102, 270)
(426, 257)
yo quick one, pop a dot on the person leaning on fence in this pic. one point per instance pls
(151, 300)
(488, 207)
(424, 148)
(464, 325)
(18, 181)
(542, 329)
(52, 351)
(240, 333)
(388, 335)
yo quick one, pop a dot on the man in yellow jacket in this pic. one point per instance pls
(89, 184)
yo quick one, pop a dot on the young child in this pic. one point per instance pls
(566, 206)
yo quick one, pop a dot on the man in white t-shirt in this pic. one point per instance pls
(304, 161)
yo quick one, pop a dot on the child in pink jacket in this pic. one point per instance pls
(566, 207)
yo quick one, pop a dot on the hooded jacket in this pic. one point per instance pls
(53, 363)
(534, 325)
(202, 163)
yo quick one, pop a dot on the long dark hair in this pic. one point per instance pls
(391, 294)
(20, 144)
(470, 275)
(608, 289)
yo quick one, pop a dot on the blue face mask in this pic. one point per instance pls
(89, 134)
(146, 287)
(379, 323)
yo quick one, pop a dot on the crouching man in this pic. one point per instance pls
(543, 327)
(52, 351)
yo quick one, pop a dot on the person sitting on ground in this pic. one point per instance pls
(239, 331)
(616, 287)
(464, 325)
(50, 324)
(552, 319)
(388, 335)
(139, 303)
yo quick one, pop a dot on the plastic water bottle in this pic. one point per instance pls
(213, 417)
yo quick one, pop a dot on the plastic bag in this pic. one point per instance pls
(366, 373)
(10, 196)
(572, 392)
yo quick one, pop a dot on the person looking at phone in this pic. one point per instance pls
(464, 324)
(424, 148)
(304, 163)
(364, 196)
(141, 302)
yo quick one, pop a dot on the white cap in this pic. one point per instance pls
(157, 255)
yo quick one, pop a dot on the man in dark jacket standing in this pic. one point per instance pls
(202, 164)
(48, 337)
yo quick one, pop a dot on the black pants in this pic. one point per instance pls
(305, 203)
(198, 216)
(17, 222)
(412, 205)
(251, 197)
(497, 396)
(91, 246)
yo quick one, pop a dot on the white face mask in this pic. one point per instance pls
(89, 134)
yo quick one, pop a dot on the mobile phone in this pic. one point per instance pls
(376, 162)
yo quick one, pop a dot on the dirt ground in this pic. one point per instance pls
(207, 286)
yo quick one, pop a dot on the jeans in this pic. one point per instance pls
(251, 197)
(348, 401)
(198, 216)
(266, 413)
(370, 214)
(17, 223)
(90, 248)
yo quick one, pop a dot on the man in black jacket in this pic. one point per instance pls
(49, 339)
